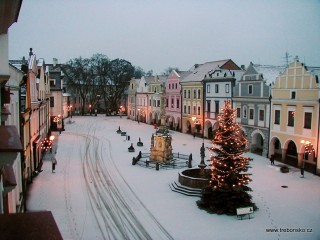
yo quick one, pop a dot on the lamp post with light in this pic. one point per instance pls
(90, 106)
(58, 121)
(120, 110)
(308, 149)
(70, 112)
(194, 126)
(138, 117)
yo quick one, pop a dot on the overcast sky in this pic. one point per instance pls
(157, 34)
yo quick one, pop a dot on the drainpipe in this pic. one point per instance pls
(203, 106)
(181, 107)
(22, 156)
(135, 106)
(318, 137)
(270, 111)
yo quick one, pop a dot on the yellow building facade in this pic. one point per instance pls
(294, 125)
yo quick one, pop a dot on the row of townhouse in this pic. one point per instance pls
(277, 106)
(37, 103)
(26, 109)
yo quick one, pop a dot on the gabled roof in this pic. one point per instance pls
(157, 79)
(220, 73)
(183, 74)
(269, 72)
(250, 70)
(200, 70)
(149, 79)
(32, 62)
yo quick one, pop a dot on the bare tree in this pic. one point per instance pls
(138, 72)
(97, 79)
(121, 71)
(78, 75)
(101, 66)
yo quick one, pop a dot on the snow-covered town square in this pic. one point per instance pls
(96, 193)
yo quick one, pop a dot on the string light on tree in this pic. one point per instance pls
(46, 144)
(228, 188)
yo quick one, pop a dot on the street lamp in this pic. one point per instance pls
(70, 112)
(308, 149)
(58, 121)
(120, 111)
(138, 114)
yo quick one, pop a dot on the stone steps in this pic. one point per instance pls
(192, 192)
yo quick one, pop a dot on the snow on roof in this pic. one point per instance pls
(269, 72)
(314, 70)
(199, 71)
(40, 62)
(183, 74)
(32, 60)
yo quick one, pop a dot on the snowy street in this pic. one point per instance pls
(96, 192)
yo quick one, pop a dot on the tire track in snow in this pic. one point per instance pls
(109, 194)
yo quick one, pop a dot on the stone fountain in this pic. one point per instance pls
(196, 177)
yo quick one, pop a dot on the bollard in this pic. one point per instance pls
(157, 166)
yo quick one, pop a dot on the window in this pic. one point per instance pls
(250, 89)
(216, 88)
(238, 112)
(194, 110)
(189, 93)
(172, 103)
(307, 120)
(291, 118)
(208, 106)
(227, 88)
(178, 103)
(189, 109)
(53, 83)
(169, 86)
(216, 106)
(184, 109)
(251, 113)
(199, 94)
(277, 117)
(194, 93)
(208, 88)
(176, 86)
(158, 103)
(261, 115)
(167, 102)
(293, 95)
(244, 112)
(51, 101)
(185, 94)
(198, 110)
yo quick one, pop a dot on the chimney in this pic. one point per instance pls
(243, 67)
(55, 61)
(30, 53)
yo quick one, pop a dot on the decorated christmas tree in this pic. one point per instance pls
(228, 188)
